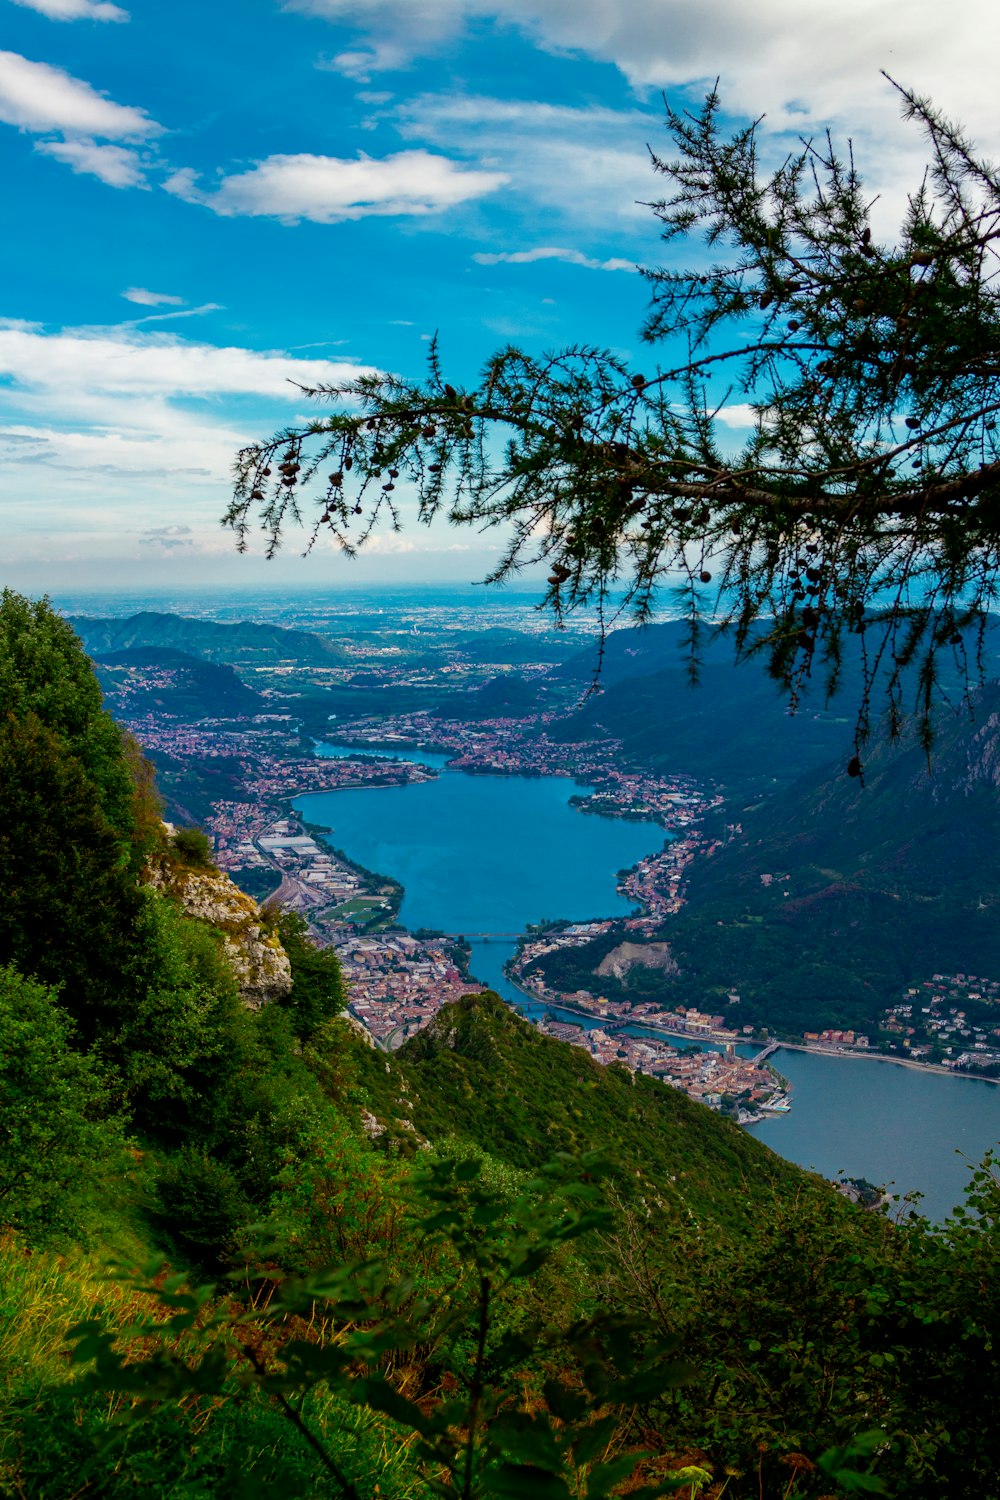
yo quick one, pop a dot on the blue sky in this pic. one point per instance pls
(206, 201)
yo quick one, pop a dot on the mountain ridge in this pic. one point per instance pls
(247, 642)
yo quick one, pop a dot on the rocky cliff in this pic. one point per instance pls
(260, 964)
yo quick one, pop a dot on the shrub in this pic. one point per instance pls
(59, 1129)
(194, 847)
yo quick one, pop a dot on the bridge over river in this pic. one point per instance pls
(486, 937)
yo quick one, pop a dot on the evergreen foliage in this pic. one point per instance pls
(60, 1120)
(71, 906)
(193, 847)
(45, 674)
(317, 994)
(865, 499)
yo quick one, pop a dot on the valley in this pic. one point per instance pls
(405, 950)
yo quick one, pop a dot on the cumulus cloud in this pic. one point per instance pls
(807, 65)
(118, 166)
(146, 298)
(740, 415)
(76, 10)
(35, 96)
(552, 252)
(330, 189)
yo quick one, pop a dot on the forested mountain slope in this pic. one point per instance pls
(836, 895)
(483, 1074)
(419, 1282)
(733, 725)
(246, 642)
(180, 686)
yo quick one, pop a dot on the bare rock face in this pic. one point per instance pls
(627, 955)
(259, 962)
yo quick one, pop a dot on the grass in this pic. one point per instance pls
(60, 1441)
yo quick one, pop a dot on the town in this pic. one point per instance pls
(952, 1020)
(255, 764)
(397, 981)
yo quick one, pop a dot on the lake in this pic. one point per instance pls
(489, 854)
(485, 854)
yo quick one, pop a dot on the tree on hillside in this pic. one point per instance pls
(60, 1128)
(45, 673)
(70, 907)
(866, 499)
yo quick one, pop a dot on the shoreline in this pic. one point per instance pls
(885, 1057)
(616, 1022)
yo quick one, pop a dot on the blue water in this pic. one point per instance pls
(489, 854)
(891, 1124)
(486, 854)
(380, 752)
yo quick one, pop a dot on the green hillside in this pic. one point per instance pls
(172, 685)
(837, 893)
(481, 1073)
(244, 644)
(482, 1268)
(733, 725)
(887, 883)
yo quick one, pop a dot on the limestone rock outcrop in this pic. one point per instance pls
(259, 962)
(647, 955)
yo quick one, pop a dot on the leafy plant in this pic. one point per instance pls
(193, 846)
(525, 1405)
(60, 1120)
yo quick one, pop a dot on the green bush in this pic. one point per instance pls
(202, 1207)
(60, 1130)
(317, 993)
(193, 847)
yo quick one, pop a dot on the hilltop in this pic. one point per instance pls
(483, 1074)
(244, 644)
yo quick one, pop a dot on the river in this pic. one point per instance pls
(489, 854)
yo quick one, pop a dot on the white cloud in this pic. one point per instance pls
(806, 65)
(330, 189)
(129, 364)
(99, 410)
(395, 29)
(361, 63)
(186, 312)
(35, 96)
(552, 252)
(76, 10)
(588, 165)
(740, 415)
(117, 166)
(115, 453)
(146, 298)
